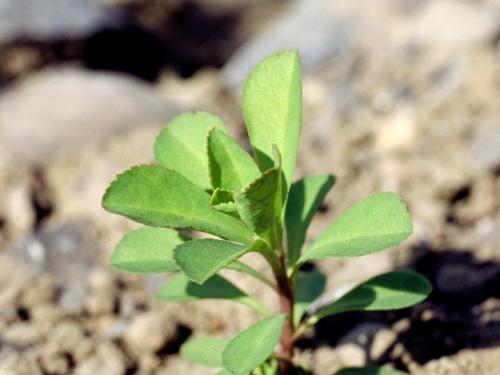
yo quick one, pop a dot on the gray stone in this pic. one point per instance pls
(319, 29)
(67, 253)
(362, 333)
(64, 108)
(53, 20)
(484, 148)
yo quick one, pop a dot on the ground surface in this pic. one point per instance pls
(399, 96)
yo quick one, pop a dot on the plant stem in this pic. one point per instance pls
(286, 297)
(278, 262)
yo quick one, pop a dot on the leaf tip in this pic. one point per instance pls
(108, 199)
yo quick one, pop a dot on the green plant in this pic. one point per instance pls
(204, 181)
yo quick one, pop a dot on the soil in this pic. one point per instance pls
(417, 114)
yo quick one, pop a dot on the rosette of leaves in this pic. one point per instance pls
(202, 180)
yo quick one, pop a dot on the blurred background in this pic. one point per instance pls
(399, 95)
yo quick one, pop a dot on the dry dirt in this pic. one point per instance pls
(417, 114)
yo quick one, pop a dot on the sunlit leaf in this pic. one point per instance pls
(204, 350)
(272, 108)
(201, 259)
(259, 204)
(372, 224)
(251, 347)
(182, 145)
(231, 167)
(224, 371)
(222, 200)
(147, 251)
(156, 196)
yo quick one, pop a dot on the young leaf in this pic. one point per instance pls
(204, 350)
(304, 199)
(222, 200)
(259, 204)
(372, 224)
(309, 286)
(201, 259)
(251, 347)
(147, 251)
(180, 289)
(269, 368)
(182, 145)
(156, 196)
(369, 371)
(231, 168)
(389, 291)
(272, 108)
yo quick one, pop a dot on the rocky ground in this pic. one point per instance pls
(398, 95)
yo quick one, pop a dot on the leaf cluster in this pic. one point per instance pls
(202, 180)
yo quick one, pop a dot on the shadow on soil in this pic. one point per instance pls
(460, 312)
(145, 41)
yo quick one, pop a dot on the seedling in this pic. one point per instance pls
(204, 181)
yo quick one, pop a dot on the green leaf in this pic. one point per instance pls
(156, 196)
(204, 350)
(231, 168)
(389, 291)
(372, 224)
(259, 204)
(147, 251)
(182, 145)
(272, 108)
(251, 347)
(308, 288)
(222, 200)
(201, 259)
(304, 199)
(224, 371)
(268, 368)
(369, 371)
(180, 289)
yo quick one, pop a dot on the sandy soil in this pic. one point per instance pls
(404, 106)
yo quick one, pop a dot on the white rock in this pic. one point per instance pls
(351, 355)
(456, 23)
(396, 132)
(149, 331)
(19, 212)
(484, 148)
(381, 342)
(50, 20)
(101, 280)
(108, 360)
(19, 364)
(67, 335)
(22, 334)
(66, 107)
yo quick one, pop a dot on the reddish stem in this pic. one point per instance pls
(286, 297)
